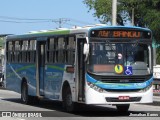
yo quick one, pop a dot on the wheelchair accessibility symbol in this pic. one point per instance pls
(128, 70)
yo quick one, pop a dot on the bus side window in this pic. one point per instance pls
(51, 50)
(9, 51)
(17, 51)
(7, 55)
(61, 50)
(32, 51)
(61, 44)
(24, 51)
(20, 49)
(12, 52)
(71, 50)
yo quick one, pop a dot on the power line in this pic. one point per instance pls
(22, 20)
(16, 18)
(61, 21)
(11, 21)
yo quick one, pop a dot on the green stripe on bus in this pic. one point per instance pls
(56, 67)
(30, 66)
(25, 67)
(20, 69)
(54, 32)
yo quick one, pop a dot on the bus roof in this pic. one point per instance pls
(120, 27)
(61, 31)
(48, 33)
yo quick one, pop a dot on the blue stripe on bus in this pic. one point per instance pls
(119, 86)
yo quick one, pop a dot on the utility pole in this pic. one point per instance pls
(61, 21)
(114, 12)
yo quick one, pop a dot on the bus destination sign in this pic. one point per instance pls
(121, 34)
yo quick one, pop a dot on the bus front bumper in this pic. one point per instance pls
(95, 97)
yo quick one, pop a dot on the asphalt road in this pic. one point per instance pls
(10, 102)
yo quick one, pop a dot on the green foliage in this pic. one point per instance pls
(1, 41)
(158, 56)
(102, 12)
(146, 12)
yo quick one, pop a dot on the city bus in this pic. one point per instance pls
(93, 65)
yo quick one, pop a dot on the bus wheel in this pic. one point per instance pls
(24, 93)
(68, 104)
(123, 108)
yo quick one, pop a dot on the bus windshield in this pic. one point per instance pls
(105, 56)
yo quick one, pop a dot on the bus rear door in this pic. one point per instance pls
(41, 50)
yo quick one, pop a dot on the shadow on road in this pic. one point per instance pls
(56, 110)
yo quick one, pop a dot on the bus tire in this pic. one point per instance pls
(68, 104)
(26, 99)
(123, 108)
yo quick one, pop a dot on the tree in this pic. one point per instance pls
(146, 13)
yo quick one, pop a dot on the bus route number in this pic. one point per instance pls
(118, 34)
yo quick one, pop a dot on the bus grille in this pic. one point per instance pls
(121, 79)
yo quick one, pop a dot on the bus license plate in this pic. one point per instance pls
(123, 98)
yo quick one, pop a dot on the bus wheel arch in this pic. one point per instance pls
(68, 104)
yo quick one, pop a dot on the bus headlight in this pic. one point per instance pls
(146, 89)
(95, 87)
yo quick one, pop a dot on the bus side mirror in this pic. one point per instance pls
(86, 50)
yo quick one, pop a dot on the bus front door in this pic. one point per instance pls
(81, 69)
(41, 48)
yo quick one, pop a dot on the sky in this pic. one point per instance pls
(22, 16)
